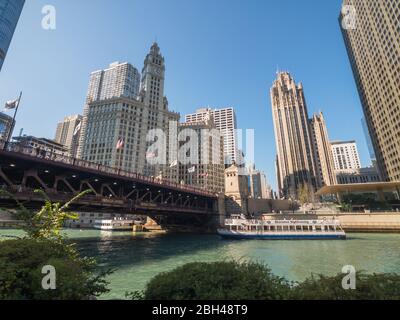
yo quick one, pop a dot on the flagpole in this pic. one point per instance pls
(13, 122)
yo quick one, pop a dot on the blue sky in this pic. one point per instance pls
(218, 53)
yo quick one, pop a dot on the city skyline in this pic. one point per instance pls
(247, 98)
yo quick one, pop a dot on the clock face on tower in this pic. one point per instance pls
(157, 71)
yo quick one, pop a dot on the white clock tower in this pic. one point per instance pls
(156, 112)
(153, 74)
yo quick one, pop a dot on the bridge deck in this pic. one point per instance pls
(15, 153)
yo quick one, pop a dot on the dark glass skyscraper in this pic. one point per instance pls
(10, 10)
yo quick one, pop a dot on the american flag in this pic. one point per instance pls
(120, 144)
(11, 104)
(77, 128)
(150, 155)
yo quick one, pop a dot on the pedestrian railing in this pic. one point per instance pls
(79, 163)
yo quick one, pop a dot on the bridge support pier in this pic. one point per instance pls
(221, 209)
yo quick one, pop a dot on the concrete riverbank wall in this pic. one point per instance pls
(352, 222)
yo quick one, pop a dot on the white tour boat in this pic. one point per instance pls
(114, 225)
(242, 228)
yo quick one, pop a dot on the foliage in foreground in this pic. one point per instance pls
(368, 287)
(21, 263)
(218, 281)
(254, 281)
(22, 260)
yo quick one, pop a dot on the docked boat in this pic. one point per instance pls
(242, 228)
(114, 225)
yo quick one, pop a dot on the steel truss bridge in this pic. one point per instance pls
(173, 206)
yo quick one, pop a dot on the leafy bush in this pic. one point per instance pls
(254, 281)
(368, 287)
(217, 281)
(21, 263)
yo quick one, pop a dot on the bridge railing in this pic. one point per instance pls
(27, 195)
(52, 156)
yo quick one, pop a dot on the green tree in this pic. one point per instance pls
(304, 194)
(22, 260)
(46, 223)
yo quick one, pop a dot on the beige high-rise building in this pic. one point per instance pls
(372, 37)
(295, 161)
(207, 152)
(121, 114)
(258, 186)
(345, 155)
(68, 132)
(323, 159)
(225, 121)
(102, 112)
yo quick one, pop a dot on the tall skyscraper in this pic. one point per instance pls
(323, 159)
(258, 186)
(225, 121)
(120, 112)
(157, 115)
(208, 169)
(10, 11)
(345, 155)
(371, 34)
(295, 160)
(68, 132)
(120, 80)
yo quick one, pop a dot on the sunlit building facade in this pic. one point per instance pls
(371, 32)
(295, 159)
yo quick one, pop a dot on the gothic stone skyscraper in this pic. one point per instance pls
(323, 158)
(373, 46)
(295, 161)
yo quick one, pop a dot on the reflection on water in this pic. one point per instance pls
(139, 257)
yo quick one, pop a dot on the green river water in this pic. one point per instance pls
(139, 257)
